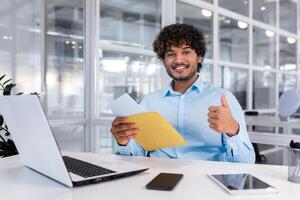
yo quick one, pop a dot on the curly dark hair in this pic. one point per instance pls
(178, 35)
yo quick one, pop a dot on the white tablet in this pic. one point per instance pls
(243, 184)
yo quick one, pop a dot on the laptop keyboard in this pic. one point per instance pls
(84, 169)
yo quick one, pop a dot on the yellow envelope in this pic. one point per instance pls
(155, 132)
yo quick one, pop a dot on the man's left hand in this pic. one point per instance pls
(221, 120)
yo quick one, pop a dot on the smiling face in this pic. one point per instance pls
(181, 63)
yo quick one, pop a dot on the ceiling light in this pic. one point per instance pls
(151, 69)
(5, 37)
(269, 33)
(227, 21)
(242, 25)
(288, 67)
(267, 67)
(263, 8)
(73, 42)
(67, 42)
(113, 65)
(222, 17)
(206, 13)
(291, 40)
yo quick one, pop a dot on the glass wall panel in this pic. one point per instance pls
(206, 73)
(28, 47)
(235, 80)
(6, 38)
(264, 48)
(265, 11)
(123, 72)
(21, 43)
(198, 17)
(240, 6)
(64, 46)
(287, 82)
(288, 53)
(105, 141)
(233, 39)
(263, 90)
(69, 137)
(288, 13)
(130, 22)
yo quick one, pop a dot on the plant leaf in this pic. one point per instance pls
(8, 148)
(35, 93)
(12, 148)
(7, 81)
(2, 77)
(1, 120)
(8, 88)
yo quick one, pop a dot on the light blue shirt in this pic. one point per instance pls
(187, 113)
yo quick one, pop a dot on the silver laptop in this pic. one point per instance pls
(39, 151)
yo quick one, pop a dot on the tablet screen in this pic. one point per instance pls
(240, 181)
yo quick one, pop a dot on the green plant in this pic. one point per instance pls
(7, 146)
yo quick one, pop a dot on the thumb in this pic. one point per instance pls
(224, 101)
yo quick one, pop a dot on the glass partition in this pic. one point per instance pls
(64, 71)
(200, 18)
(105, 141)
(70, 137)
(130, 23)
(288, 8)
(239, 6)
(20, 39)
(236, 81)
(233, 40)
(264, 48)
(288, 53)
(287, 82)
(118, 73)
(206, 73)
(265, 11)
(263, 90)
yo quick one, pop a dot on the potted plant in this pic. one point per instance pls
(7, 146)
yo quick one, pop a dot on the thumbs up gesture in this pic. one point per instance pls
(221, 120)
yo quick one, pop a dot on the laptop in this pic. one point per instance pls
(38, 149)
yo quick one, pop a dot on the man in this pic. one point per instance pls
(209, 118)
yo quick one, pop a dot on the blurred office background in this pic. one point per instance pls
(81, 54)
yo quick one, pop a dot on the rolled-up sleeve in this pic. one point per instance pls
(132, 148)
(238, 147)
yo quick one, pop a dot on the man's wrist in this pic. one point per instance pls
(235, 130)
(122, 145)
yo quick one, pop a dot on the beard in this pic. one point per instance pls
(181, 77)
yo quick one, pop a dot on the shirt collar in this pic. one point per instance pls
(197, 86)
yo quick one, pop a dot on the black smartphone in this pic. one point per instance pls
(164, 181)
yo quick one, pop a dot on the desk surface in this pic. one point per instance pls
(18, 182)
(269, 137)
(275, 121)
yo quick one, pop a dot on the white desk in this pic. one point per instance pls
(280, 139)
(273, 121)
(273, 138)
(18, 182)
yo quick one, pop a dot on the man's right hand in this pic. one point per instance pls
(123, 130)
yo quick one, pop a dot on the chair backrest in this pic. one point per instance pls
(289, 103)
